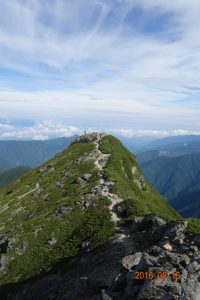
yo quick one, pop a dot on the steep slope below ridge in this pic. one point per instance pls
(123, 169)
(67, 207)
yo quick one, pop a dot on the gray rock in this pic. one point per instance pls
(86, 246)
(134, 170)
(42, 169)
(158, 222)
(174, 288)
(97, 190)
(78, 161)
(105, 296)
(177, 230)
(3, 262)
(86, 204)
(65, 173)
(83, 203)
(86, 177)
(59, 184)
(185, 260)
(90, 138)
(6, 244)
(193, 267)
(119, 209)
(38, 190)
(155, 251)
(167, 246)
(130, 261)
(83, 179)
(22, 248)
(52, 241)
(78, 203)
(48, 168)
(177, 241)
(80, 180)
(173, 258)
(62, 211)
(194, 249)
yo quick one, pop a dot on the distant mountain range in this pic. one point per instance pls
(172, 166)
(29, 153)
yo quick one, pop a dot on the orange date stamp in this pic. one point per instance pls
(175, 276)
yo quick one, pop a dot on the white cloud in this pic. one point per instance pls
(154, 133)
(39, 131)
(50, 129)
(72, 49)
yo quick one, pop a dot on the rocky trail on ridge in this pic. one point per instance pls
(100, 162)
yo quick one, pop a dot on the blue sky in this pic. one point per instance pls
(129, 67)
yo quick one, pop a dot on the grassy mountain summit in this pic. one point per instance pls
(71, 205)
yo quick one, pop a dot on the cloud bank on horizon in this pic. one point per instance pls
(131, 67)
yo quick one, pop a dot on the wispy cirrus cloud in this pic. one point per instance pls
(102, 64)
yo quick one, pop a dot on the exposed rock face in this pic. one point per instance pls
(6, 245)
(83, 203)
(62, 211)
(38, 190)
(89, 138)
(85, 246)
(48, 168)
(52, 241)
(130, 261)
(22, 248)
(134, 265)
(59, 184)
(83, 179)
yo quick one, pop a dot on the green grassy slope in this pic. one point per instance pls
(31, 218)
(13, 174)
(141, 201)
(193, 226)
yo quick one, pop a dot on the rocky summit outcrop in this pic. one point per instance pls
(151, 259)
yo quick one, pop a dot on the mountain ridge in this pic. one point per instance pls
(72, 205)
